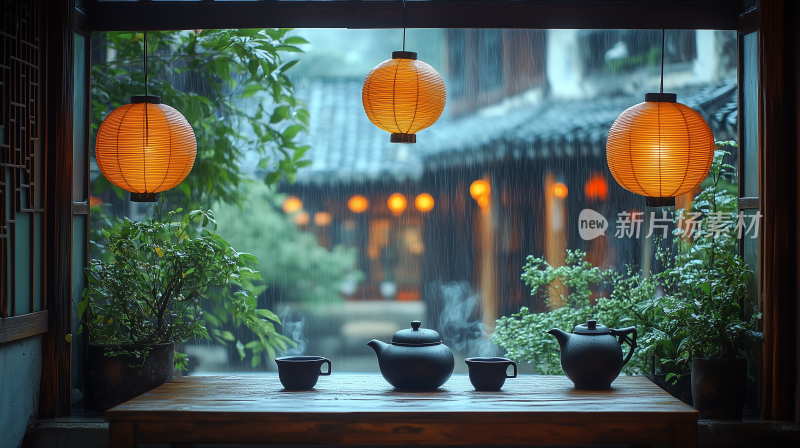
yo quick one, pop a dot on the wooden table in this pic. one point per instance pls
(349, 409)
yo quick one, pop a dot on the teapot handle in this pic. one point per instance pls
(623, 337)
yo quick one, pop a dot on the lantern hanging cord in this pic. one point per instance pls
(663, 39)
(145, 63)
(404, 25)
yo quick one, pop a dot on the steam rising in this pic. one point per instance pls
(459, 320)
(294, 330)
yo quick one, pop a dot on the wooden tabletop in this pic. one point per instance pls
(364, 409)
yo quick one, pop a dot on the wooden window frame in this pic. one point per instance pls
(120, 16)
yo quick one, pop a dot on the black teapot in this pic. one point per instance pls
(591, 355)
(416, 360)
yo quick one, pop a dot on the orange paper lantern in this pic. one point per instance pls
(403, 96)
(358, 204)
(145, 147)
(660, 149)
(424, 202)
(397, 203)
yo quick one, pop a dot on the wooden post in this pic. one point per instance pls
(55, 396)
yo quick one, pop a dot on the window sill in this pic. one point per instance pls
(91, 431)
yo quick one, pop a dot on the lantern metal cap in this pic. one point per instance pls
(404, 55)
(661, 97)
(144, 197)
(403, 138)
(660, 202)
(152, 99)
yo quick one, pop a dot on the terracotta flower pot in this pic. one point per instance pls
(110, 381)
(718, 387)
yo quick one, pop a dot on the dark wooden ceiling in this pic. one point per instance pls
(545, 14)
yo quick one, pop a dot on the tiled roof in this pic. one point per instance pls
(346, 147)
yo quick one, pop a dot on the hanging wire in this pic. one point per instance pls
(663, 36)
(145, 63)
(404, 25)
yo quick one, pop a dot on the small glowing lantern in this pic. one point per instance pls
(596, 187)
(358, 204)
(397, 203)
(145, 147)
(403, 96)
(560, 190)
(479, 188)
(301, 218)
(292, 204)
(322, 219)
(660, 149)
(424, 202)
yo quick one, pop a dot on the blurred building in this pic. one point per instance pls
(528, 113)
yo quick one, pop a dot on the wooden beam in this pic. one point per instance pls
(82, 22)
(748, 21)
(23, 326)
(543, 14)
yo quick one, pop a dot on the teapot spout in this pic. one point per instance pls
(561, 336)
(377, 345)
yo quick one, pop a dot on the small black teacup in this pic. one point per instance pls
(489, 374)
(301, 372)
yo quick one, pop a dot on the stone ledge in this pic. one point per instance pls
(747, 433)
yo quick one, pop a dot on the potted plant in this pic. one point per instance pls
(163, 282)
(707, 318)
(704, 321)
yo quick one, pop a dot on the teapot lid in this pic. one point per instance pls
(591, 327)
(416, 336)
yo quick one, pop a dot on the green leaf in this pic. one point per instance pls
(240, 350)
(224, 68)
(289, 65)
(272, 177)
(295, 40)
(281, 113)
(299, 153)
(290, 132)
(227, 335)
(267, 314)
(250, 258)
(251, 90)
(288, 48)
